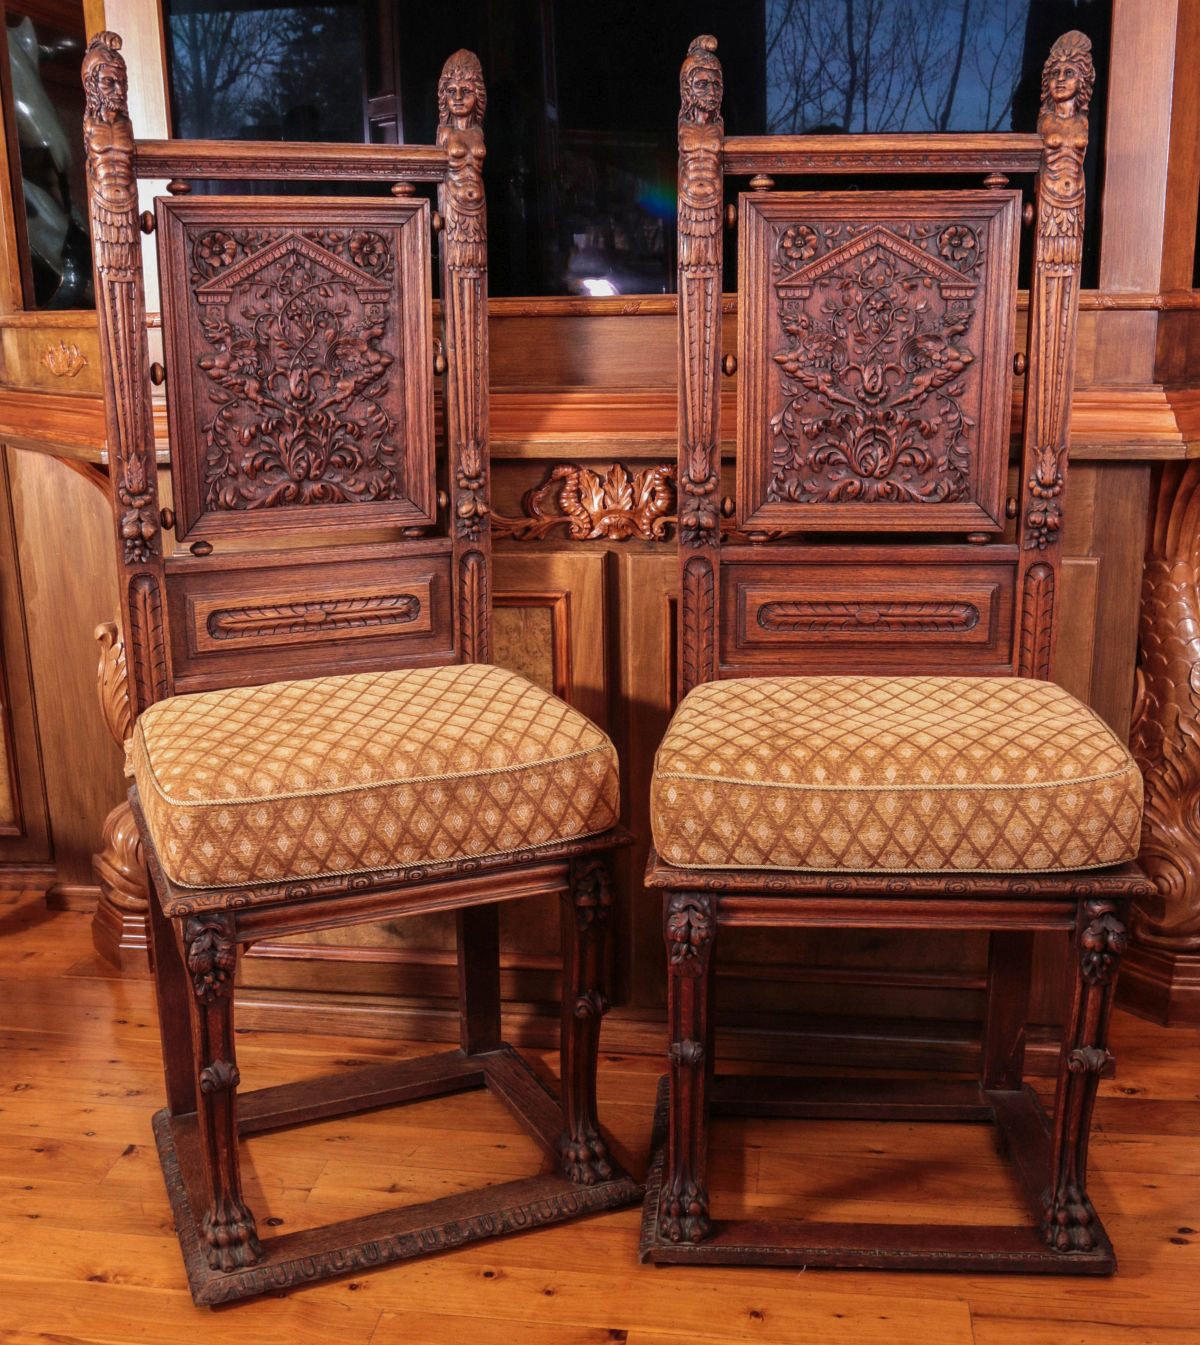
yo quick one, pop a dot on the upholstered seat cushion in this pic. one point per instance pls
(897, 774)
(350, 774)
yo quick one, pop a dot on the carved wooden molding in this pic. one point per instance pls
(64, 360)
(321, 615)
(807, 615)
(613, 507)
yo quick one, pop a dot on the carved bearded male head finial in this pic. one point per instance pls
(462, 94)
(105, 82)
(1069, 76)
(701, 84)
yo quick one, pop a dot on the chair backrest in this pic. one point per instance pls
(876, 353)
(318, 529)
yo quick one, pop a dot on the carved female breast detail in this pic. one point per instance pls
(875, 390)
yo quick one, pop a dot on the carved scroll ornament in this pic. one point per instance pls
(613, 507)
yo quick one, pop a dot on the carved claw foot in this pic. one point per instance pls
(231, 1237)
(683, 1213)
(585, 1160)
(1068, 1221)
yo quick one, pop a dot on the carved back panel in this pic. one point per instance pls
(297, 333)
(875, 335)
(317, 529)
(870, 526)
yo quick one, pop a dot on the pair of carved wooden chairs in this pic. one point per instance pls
(404, 774)
(955, 787)
(317, 531)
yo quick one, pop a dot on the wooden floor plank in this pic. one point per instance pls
(87, 1254)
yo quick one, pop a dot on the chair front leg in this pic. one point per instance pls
(228, 1227)
(1068, 1221)
(586, 914)
(691, 927)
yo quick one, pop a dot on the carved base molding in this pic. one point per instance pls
(1161, 984)
(119, 931)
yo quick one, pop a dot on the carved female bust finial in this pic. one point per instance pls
(701, 84)
(462, 94)
(1069, 77)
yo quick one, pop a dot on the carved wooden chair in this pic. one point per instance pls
(404, 775)
(869, 737)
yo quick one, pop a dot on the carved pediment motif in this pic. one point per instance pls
(952, 283)
(370, 288)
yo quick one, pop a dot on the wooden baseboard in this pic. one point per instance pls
(72, 896)
(1161, 985)
(26, 877)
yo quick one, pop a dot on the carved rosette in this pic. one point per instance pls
(112, 195)
(701, 135)
(462, 100)
(211, 955)
(1165, 737)
(1068, 79)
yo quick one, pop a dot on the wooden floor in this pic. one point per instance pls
(87, 1252)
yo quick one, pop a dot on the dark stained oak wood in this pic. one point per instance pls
(299, 372)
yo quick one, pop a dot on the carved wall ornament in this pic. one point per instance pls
(896, 615)
(613, 507)
(64, 360)
(1165, 734)
(211, 954)
(689, 926)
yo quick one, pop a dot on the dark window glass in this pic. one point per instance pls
(583, 97)
(44, 114)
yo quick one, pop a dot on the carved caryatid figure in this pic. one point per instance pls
(462, 101)
(1068, 79)
(108, 138)
(701, 130)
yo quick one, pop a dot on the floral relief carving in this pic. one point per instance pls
(876, 393)
(296, 325)
(910, 617)
(615, 506)
(64, 360)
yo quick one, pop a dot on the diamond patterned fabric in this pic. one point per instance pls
(896, 774)
(340, 775)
